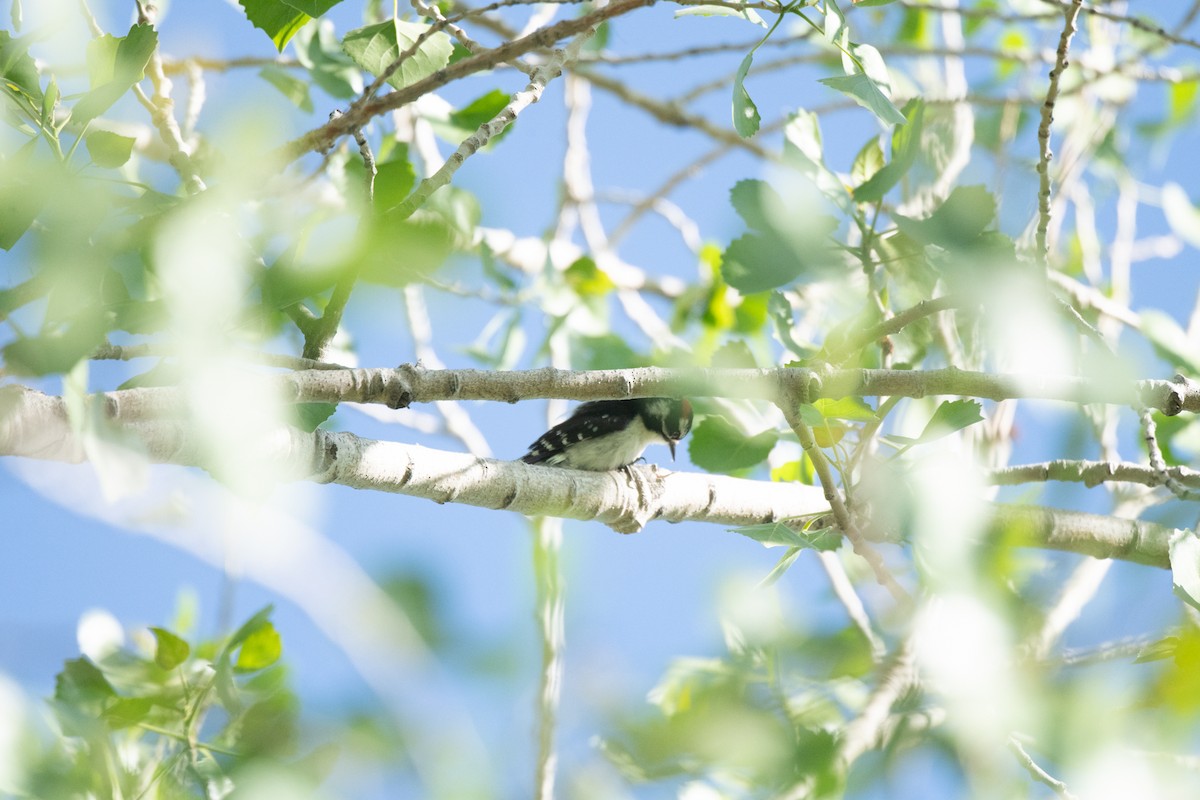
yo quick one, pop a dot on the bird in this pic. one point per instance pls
(604, 435)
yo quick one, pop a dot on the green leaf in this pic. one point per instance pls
(851, 408)
(81, 682)
(745, 113)
(587, 279)
(781, 566)
(803, 149)
(293, 88)
(376, 47)
(169, 650)
(109, 150)
(128, 711)
(754, 200)
(718, 446)
(126, 64)
(23, 195)
(309, 416)
(260, 649)
(1183, 548)
(319, 51)
(249, 627)
(950, 416)
(282, 19)
(866, 92)
(18, 69)
(759, 262)
(734, 355)
(960, 220)
(781, 534)
(481, 110)
(748, 14)
(906, 143)
(867, 163)
(394, 179)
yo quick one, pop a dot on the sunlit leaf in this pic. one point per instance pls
(293, 88)
(1184, 552)
(745, 113)
(127, 66)
(109, 150)
(281, 19)
(866, 92)
(376, 47)
(169, 650)
(782, 534)
(949, 417)
(718, 446)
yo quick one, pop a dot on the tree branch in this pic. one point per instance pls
(36, 425)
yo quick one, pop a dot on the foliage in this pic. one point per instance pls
(871, 199)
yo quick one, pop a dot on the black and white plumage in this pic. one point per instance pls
(607, 434)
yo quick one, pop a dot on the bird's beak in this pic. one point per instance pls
(671, 444)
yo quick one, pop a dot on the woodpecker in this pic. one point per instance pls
(607, 434)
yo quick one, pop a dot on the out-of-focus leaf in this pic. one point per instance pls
(398, 251)
(734, 355)
(755, 202)
(1184, 553)
(81, 683)
(375, 47)
(259, 649)
(293, 88)
(128, 711)
(866, 92)
(309, 416)
(169, 650)
(18, 69)
(318, 51)
(798, 471)
(851, 408)
(759, 262)
(950, 416)
(748, 14)
(745, 114)
(718, 446)
(282, 19)
(55, 352)
(906, 141)
(587, 279)
(109, 150)
(394, 180)
(23, 195)
(780, 534)
(960, 220)
(127, 65)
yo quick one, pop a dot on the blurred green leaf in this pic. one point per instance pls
(319, 51)
(745, 113)
(394, 180)
(82, 683)
(109, 150)
(755, 201)
(734, 355)
(587, 279)
(128, 711)
(309, 416)
(169, 650)
(949, 417)
(960, 220)
(18, 70)
(376, 47)
(126, 64)
(906, 144)
(718, 446)
(1184, 552)
(782, 534)
(261, 648)
(851, 408)
(293, 88)
(866, 92)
